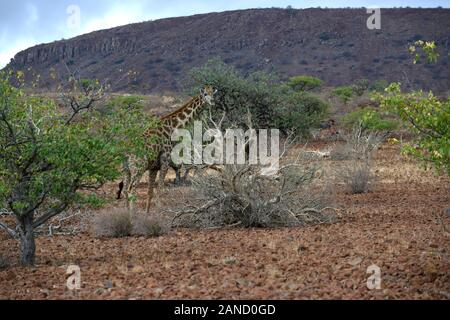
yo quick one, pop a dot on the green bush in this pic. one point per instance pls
(427, 117)
(300, 112)
(237, 95)
(345, 93)
(369, 119)
(304, 83)
(127, 121)
(324, 36)
(270, 102)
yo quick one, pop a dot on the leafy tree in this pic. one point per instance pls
(270, 102)
(126, 117)
(429, 118)
(257, 94)
(426, 115)
(345, 93)
(51, 160)
(300, 112)
(369, 118)
(304, 83)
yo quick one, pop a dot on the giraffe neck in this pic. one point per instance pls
(175, 120)
(184, 115)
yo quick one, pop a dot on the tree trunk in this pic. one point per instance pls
(27, 244)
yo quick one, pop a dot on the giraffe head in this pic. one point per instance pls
(208, 94)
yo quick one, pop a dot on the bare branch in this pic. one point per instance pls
(12, 233)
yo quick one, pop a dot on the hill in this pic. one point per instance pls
(333, 44)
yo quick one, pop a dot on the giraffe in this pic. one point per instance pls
(135, 167)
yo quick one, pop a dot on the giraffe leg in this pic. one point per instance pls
(186, 175)
(163, 170)
(164, 167)
(130, 195)
(134, 169)
(150, 188)
(126, 184)
(177, 180)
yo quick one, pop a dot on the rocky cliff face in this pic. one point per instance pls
(333, 44)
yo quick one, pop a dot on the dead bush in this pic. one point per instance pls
(358, 151)
(359, 144)
(340, 152)
(357, 176)
(250, 195)
(114, 222)
(244, 195)
(150, 225)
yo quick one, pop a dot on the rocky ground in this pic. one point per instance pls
(398, 226)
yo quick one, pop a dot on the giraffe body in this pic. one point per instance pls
(135, 167)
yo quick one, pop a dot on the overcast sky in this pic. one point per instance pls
(24, 23)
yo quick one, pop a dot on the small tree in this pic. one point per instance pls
(429, 118)
(304, 83)
(299, 112)
(270, 102)
(345, 93)
(237, 95)
(369, 118)
(126, 117)
(50, 160)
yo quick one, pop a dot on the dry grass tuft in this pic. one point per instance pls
(150, 225)
(118, 222)
(115, 222)
(358, 152)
